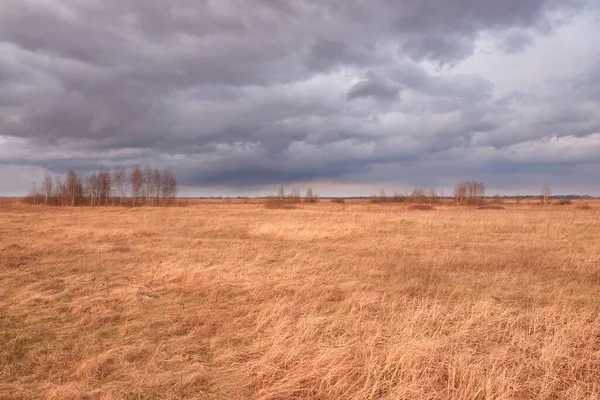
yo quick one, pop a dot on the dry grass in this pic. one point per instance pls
(275, 203)
(491, 207)
(234, 301)
(420, 207)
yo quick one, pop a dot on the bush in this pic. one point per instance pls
(518, 199)
(417, 196)
(339, 201)
(583, 206)
(310, 196)
(497, 199)
(564, 202)
(421, 207)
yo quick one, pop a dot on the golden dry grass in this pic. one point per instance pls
(325, 301)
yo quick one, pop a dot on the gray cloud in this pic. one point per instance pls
(373, 86)
(515, 41)
(269, 92)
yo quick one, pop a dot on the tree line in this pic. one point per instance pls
(465, 192)
(138, 186)
(469, 192)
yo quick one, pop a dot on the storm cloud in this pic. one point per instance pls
(246, 96)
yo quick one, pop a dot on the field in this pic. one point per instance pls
(323, 301)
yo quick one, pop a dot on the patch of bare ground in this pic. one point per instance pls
(236, 301)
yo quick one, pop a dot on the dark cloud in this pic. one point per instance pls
(446, 31)
(271, 91)
(373, 86)
(515, 41)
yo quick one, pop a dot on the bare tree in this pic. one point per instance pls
(382, 196)
(61, 191)
(398, 198)
(136, 185)
(104, 181)
(281, 193)
(91, 183)
(169, 186)
(156, 187)
(72, 187)
(310, 197)
(119, 176)
(460, 193)
(470, 192)
(34, 193)
(475, 192)
(148, 186)
(146, 183)
(294, 196)
(433, 197)
(546, 194)
(47, 187)
(418, 196)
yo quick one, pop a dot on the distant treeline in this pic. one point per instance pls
(138, 186)
(466, 192)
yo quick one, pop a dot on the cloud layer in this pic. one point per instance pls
(250, 95)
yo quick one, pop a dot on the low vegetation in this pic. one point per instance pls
(493, 206)
(564, 202)
(422, 207)
(229, 300)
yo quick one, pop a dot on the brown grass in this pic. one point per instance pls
(338, 200)
(563, 202)
(234, 301)
(491, 207)
(276, 203)
(422, 207)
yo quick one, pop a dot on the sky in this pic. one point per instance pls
(346, 97)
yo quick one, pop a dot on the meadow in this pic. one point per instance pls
(233, 300)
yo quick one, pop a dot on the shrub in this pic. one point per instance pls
(497, 199)
(310, 197)
(518, 199)
(338, 200)
(417, 196)
(564, 202)
(583, 206)
(421, 207)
